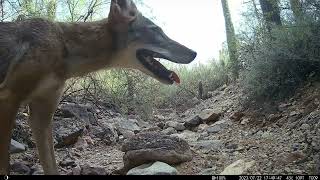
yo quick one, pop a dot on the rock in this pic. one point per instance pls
(81, 144)
(22, 132)
(143, 124)
(202, 127)
(209, 171)
(76, 170)
(159, 118)
(310, 108)
(123, 125)
(294, 157)
(161, 125)
(83, 113)
(105, 132)
(238, 168)
(67, 132)
(189, 136)
(157, 168)
(283, 107)
(294, 113)
(169, 131)
(305, 127)
(316, 143)
(20, 168)
(214, 129)
(274, 117)
(203, 136)
(245, 121)
(213, 145)
(68, 163)
(147, 147)
(317, 164)
(127, 134)
(91, 170)
(237, 116)
(232, 146)
(89, 140)
(195, 101)
(193, 122)
(16, 147)
(176, 125)
(209, 116)
(37, 170)
(311, 119)
(151, 129)
(267, 135)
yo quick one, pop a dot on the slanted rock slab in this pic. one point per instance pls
(16, 147)
(157, 168)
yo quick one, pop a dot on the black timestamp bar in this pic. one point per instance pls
(266, 177)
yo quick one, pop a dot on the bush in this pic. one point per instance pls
(275, 64)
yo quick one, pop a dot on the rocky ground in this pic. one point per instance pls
(217, 136)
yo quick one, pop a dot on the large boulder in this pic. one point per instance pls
(150, 147)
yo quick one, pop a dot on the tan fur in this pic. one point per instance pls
(37, 57)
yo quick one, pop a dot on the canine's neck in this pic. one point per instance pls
(89, 46)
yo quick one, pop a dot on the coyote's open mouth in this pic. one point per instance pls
(147, 58)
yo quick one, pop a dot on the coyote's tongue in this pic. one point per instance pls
(174, 77)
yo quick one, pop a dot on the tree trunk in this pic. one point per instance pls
(296, 8)
(51, 9)
(1, 10)
(271, 13)
(231, 39)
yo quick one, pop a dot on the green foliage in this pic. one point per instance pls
(274, 66)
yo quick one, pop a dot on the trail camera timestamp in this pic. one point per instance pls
(279, 177)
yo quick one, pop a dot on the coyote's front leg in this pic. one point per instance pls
(42, 109)
(8, 110)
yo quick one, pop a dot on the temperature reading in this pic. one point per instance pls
(313, 177)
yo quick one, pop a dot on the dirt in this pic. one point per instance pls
(279, 141)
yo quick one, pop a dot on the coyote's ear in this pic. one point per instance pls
(122, 11)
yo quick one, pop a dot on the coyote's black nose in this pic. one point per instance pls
(194, 55)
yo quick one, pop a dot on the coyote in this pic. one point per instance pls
(38, 56)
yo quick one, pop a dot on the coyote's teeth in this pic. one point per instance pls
(171, 76)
